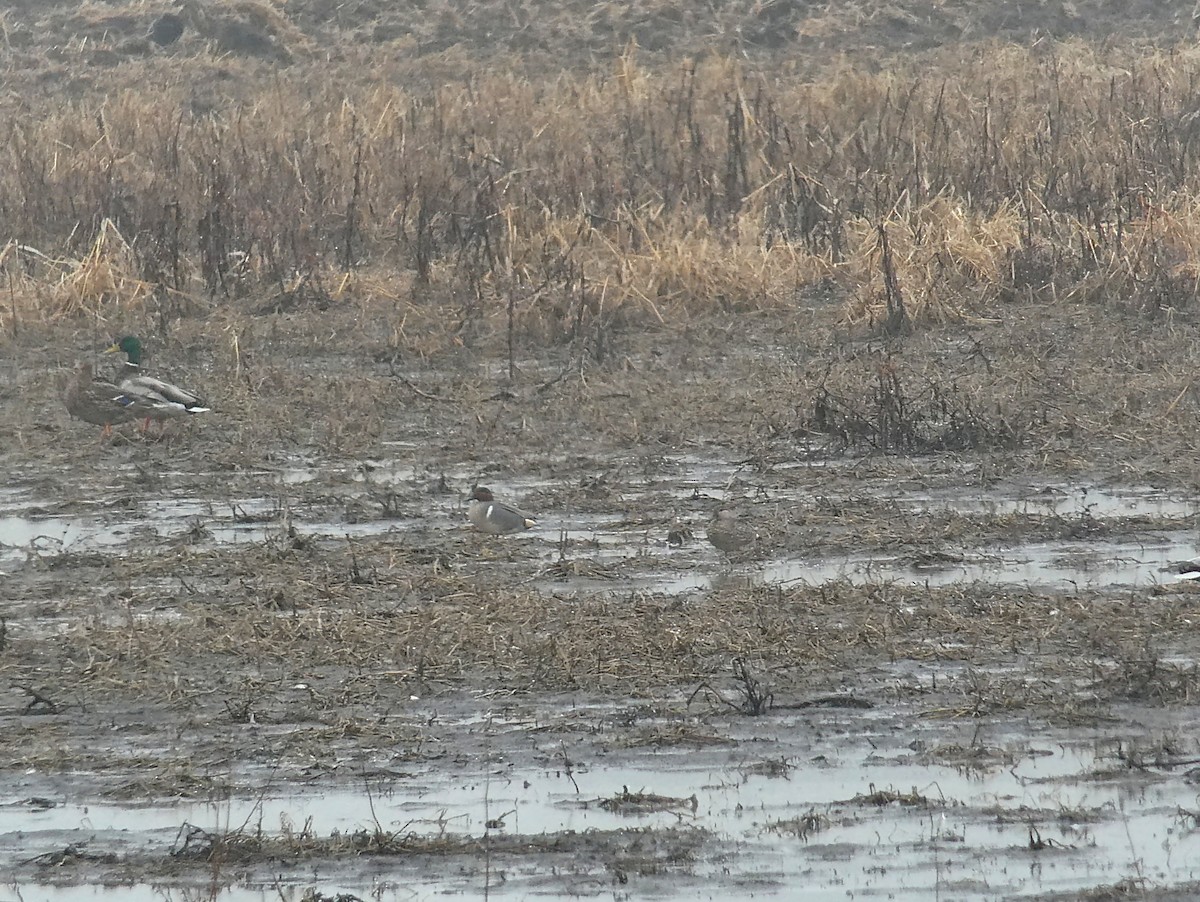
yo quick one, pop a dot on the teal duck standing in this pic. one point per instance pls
(726, 534)
(489, 515)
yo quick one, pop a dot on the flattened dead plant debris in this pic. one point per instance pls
(883, 797)
(630, 803)
(802, 826)
(667, 736)
(667, 845)
(301, 612)
(173, 783)
(1064, 815)
(770, 767)
(577, 568)
(974, 757)
(72, 854)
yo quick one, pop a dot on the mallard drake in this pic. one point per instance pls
(489, 515)
(168, 401)
(100, 402)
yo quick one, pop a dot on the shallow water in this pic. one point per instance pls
(1101, 825)
(1055, 498)
(970, 841)
(1062, 565)
(262, 518)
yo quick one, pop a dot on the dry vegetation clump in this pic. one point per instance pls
(892, 417)
(102, 281)
(639, 850)
(1055, 175)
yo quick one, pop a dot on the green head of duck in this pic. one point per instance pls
(130, 346)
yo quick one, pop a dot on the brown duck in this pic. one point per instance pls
(726, 534)
(100, 402)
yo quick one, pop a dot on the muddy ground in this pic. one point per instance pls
(265, 657)
(266, 654)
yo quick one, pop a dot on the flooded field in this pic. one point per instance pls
(807, 814)
(839, 360)
(944, 771)
(1133, 536)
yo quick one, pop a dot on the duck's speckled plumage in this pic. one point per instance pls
(726, 534)
(100, 402)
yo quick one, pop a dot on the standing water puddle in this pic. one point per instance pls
(1067, 565)
(1056, 499)
(1053, 565)
(830, 821)
(1064, 564)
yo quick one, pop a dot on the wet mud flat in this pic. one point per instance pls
(266, 657)
(310, 678)
(826, 801)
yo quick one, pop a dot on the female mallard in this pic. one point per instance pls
(102, 403)
(726, 534)
(167, 401)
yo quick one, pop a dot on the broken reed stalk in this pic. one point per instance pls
(352, 209)
(512, 308)
(897, 317)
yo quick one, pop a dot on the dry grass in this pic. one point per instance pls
(346, 243)
(357, 644)
(1063, 175)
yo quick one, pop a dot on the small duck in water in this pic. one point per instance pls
(726, 534)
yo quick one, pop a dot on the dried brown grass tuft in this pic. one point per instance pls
(104, 277)
(99, 285)
(949, 260)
